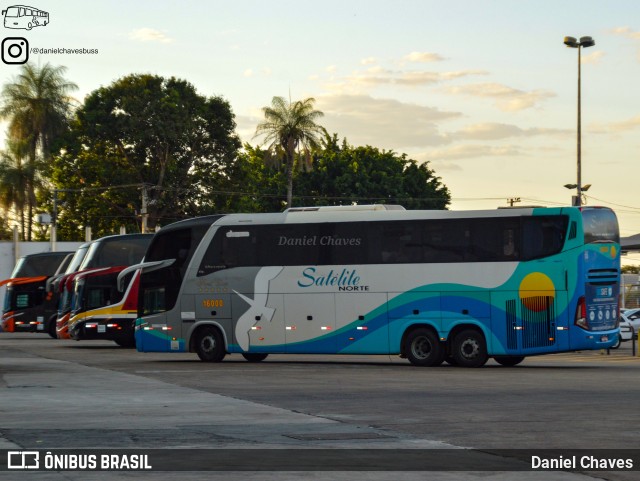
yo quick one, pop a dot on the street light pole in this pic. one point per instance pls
(573, 43)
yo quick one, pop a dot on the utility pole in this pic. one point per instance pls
(54, 219)
(144, 209)
(513, 200)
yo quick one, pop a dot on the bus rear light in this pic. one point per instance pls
(167, 328)
(362, 328)
(19, 323)
(581, 314)
(91, 326)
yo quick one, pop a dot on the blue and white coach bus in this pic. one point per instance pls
(426, 285)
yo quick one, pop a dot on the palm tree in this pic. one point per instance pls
(37, 105)
(288, 126)
(14, 180)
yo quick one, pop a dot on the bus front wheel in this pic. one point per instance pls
(509, 361)
(470, 349)
(210, 345)
(254, 356)
(423, 348)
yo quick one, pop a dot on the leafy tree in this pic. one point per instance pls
(288, 126)
(147, 130)
(14, 178)
(37, 105)
(344, 174)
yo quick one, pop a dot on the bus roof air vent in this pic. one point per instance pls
(345, 208)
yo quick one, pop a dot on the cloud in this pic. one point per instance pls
(368, 61)
(149, 35)
(497, 131)
(625, 32)
(507, 99)
(457, 152)
(615, 127)
(264, 72)
(592, 58)
(423, 57)
(384, 123)
(377, 76)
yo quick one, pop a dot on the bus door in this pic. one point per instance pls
(310, 323)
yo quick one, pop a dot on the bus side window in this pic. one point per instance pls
(509, 244)
(543, 236)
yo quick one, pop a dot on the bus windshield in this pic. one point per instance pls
(38, 265)
(600, 225)
(77, 259)
(123, 251)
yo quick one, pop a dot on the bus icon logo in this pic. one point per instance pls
(21, 16)
(23, 460)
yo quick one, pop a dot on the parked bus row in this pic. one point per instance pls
(74, 295)
(430, 286)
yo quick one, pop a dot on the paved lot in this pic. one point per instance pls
(67, 394)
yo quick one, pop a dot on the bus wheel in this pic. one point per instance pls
(470, 349)
(51, 330)
(450, 360)
(210, 345)
(129, 343)
(509, 361)
(617, 344)
(423, 348)
(254, 357)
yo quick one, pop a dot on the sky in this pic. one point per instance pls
(485, 91)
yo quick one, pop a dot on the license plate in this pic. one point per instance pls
(102, 328)
(604, 338)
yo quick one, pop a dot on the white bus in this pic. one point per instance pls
(427, 285)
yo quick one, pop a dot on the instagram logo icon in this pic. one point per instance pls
(15, 50)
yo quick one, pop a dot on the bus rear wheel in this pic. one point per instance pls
(469, 349)
(423, 348)
(509, 361)
(254, 357)
(127, 342)
(210, 345)
(51, 328)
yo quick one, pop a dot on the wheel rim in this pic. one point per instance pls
(470, 348)
(208, 344)
(421, 347)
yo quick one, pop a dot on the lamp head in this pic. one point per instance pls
(571, 42)
(587, 42)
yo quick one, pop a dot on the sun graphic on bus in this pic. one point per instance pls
(534, 287)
